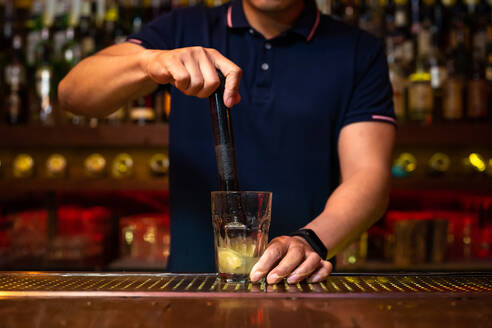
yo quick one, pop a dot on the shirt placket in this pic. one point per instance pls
(264, 69)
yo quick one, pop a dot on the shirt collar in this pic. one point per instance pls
(305, 25)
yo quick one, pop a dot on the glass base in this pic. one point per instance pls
(233, 277)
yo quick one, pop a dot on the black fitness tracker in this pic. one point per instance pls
(313, 240)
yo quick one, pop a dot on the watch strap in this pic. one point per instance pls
(313, 240)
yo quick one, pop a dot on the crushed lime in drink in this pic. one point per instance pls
(237, 260)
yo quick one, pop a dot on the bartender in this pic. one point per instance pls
(312, 118)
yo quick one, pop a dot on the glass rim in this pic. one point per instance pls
(222, 192)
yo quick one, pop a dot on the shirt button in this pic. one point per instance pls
(265, 66)
(251, 31)
(268, 46)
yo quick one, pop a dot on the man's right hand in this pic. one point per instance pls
(193, 70)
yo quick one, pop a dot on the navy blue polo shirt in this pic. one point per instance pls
(298, 91)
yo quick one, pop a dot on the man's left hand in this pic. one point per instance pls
(291, 258)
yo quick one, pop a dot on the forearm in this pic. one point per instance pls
(102, 83)
(353, 207)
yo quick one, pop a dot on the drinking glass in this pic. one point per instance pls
(241, 220)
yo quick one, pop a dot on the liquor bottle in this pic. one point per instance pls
(404, 165)
(388, 11)
(33, 26)
(399, 81)
(122, 166)
(58, 29)
(453, 93)
(477, 93)
(126, 9)
(479, 22)
(142, 111)
(438, 71)
(22, 12)
(71, 52)
(415, 19)
(159, 164)
(42, 111)
(137, 17)
(402, 39)
(420, 94)
(23, 166)
(86, 30)
(15, 105)
(111, 31)
(454, 87)
(438, 164)
(95, 165)
(56, 166)
(7, 30)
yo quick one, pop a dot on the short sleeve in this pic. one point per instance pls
(157, 34)
(372, 95)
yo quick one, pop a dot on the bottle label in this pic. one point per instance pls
(453, 99)
(88, 46)
(408, 52)
(14, 76)
(488, 73)
(477, 99)
(13, 107)
(59, 39)
(43, 82)
(424, 42)
(33, 39)
(401, 18)
(398, 83)
(420, 101)
(438, 75)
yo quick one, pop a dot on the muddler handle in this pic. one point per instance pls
(224, 141)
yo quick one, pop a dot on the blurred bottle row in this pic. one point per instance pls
(414, 237)
(439, 54)
(41, 40)
(83, 238)
(441, 164)
(94, 165)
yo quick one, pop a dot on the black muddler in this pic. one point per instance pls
(225, 153)
(224, 141)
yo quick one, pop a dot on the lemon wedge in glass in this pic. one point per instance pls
(229, 260)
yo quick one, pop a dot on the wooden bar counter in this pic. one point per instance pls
(39, 299)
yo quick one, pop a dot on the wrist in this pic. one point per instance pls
(150, 65)
(312, 239)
